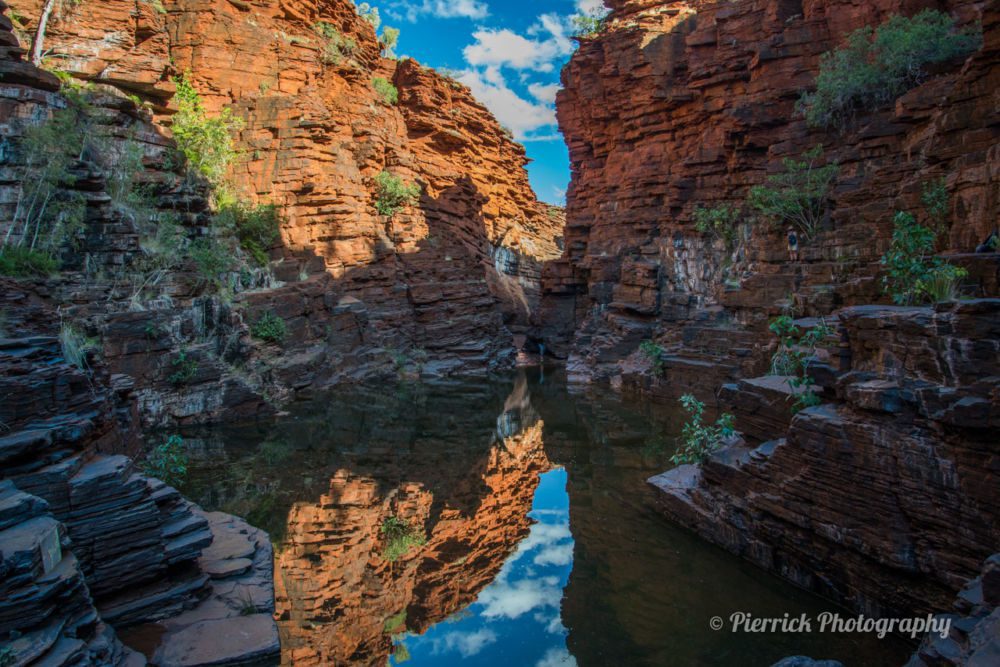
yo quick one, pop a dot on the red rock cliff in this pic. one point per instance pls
(429, 280)
(678, 105)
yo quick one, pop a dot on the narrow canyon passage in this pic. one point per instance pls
(659, 332)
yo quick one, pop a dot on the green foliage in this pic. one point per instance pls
(370, 14)
(211, 258)
(206, 142)
(335, 46)
(877, 66)
(389, 39)
(721, 222)
(588, 25)
(26, 263)
(167, 461)
(795, 349)
(7, 657)
(185, 368)
(400, 537)
(654, 353)
(934, 197)
(913, 274)
(798, 196)
(395, 624)
(75, 346)
(256, 227)
(270, 328)
(698, 440)
(386, 91)
(49, 211)
(392, 194)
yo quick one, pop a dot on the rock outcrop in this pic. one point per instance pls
(884, 496)
(93, 543)
(681, 105)
(445, 284)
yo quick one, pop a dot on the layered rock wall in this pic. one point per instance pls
(680, 105)
(448, 280)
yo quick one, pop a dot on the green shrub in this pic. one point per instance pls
(335, 46)
(75, 346)
(392, 194)
(185, 368)
(386, 91)
(588, 25)
(26, 263)
(699, 440)
(798, 196)
(49, 211)
(256, 227)
(211, 258)
(877, 66)
(795, 349)
(400, 537)
(934, 197)
(654, 353)
(942, 283)
(207, 143)
(721, 222)
(167, 461)
(269, 328)
(370, 14)
(913, 274)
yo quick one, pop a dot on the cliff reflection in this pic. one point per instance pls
(459, 466)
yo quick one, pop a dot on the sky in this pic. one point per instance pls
(510, 53)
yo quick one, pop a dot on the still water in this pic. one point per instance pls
(497, 523)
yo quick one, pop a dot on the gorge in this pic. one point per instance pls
(379, 373)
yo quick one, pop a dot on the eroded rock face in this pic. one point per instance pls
(450, 278)
(92, 542)
(680, 105)
(884, 497)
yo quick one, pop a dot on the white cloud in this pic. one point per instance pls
(442, 9)
(544, 92)
(557, 657)
(506, 599)
(591, 7)
(505, 48)
(522, 116)
(467, 644)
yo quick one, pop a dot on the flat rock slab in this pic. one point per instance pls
(221, 569)
(241, 641)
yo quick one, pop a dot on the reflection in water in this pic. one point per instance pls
(532, 544)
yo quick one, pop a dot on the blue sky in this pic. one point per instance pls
(509, 52)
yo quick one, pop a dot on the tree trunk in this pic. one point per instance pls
(39, 41)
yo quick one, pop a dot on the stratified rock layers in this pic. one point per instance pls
(449, 279)
(680, 105)
(885, 496)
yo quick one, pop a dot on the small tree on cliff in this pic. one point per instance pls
(698, 440)
(799, 195)
(392, 194)
(206, 142)
(389, 39)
